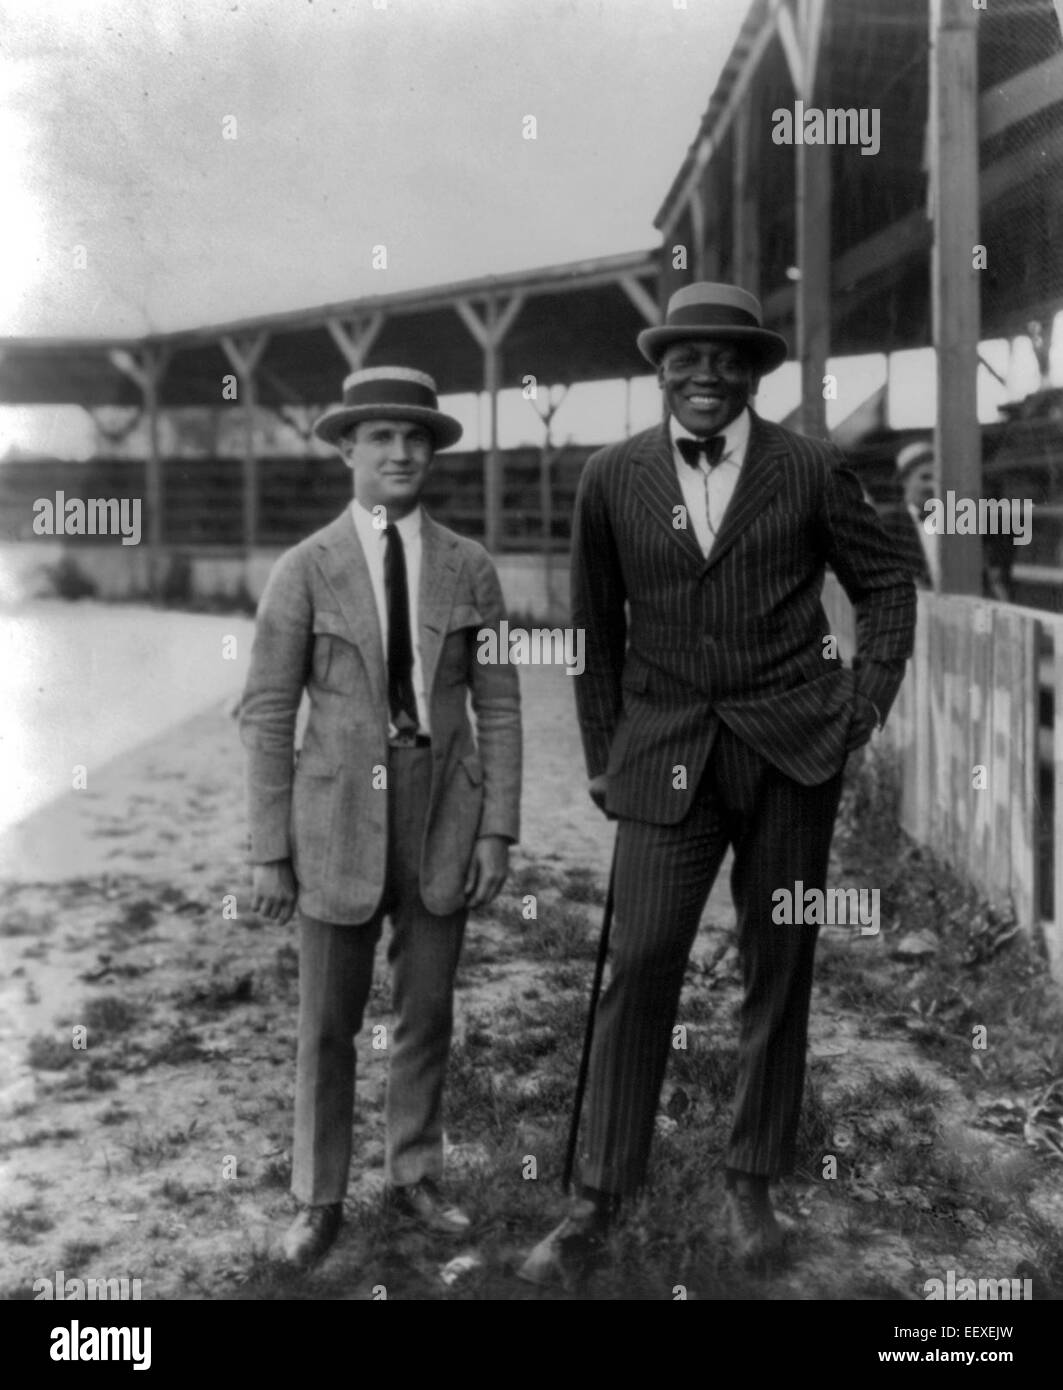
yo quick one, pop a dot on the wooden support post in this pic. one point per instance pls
(813, 241)
(489, 333)
(355, 336)
(1055, 940)
(244, 355)
(745, 221)
(146, 369)
(697, 229)
(710, 257)
(643, 301)
(955, 288)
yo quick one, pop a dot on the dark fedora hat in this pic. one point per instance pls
(389, 393)
(719, 313)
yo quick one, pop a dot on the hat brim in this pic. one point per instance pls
(444, 429)
(770, 348)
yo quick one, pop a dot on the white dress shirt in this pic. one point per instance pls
(928, 540)
(374, 544)
(707, 491)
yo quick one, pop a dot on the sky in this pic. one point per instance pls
(222, 158)
(174, 163)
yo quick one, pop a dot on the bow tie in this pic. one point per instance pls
(693, 449)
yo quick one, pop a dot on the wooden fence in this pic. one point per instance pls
(980, 749)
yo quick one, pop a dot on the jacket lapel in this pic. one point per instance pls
(657, 489)
(440, 566)
(760, 476)
(343, 563)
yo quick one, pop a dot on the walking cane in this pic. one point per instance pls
(542, 1265)
(588, 1032)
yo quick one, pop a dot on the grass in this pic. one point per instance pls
(109, 1015)
(47, 1053)
(24, 1223)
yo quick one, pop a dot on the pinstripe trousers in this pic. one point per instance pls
(780, 832)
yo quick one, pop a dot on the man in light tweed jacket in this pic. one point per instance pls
(715, 715)
(394, 807)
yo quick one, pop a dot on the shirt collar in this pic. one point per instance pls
(409, 526)
(736, 435)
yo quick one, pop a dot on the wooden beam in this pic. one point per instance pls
(811, 13)
(813, 214)
(745, 206)
(355, 336)
(697, 232)
(147, 368)
(1055, 932)
(955, 287)
(813, 288)
(489, 332)
(244, 353)
(1020, 97)
(711, 139)
(792, 47)
(643, 301)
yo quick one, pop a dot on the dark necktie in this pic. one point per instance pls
(694, 449)
(401, 700)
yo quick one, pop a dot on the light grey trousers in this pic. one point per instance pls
(335, 976)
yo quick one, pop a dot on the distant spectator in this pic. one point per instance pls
(904, 523)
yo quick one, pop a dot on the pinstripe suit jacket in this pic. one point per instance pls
(738, 637)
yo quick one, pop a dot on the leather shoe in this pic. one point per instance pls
(569, 1253)
(311, 1234)
(424, 1203)
(754, 1230)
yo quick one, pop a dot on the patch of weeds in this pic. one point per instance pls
(109, 1015)
(23, 1223)
(277, 1173)
(46, 1053)
(582, 885)
(561, 932)
(18, 922)
(176, 1192)
(146, 1149)
(854, 981)
(137, 916)
(77, 1253)
(217, 994)
(180, 1046)
(47, 1136)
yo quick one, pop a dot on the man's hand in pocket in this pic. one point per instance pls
(864, 723)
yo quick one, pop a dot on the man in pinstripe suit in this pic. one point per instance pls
(714, 714)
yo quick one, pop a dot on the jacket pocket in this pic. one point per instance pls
(474, 768)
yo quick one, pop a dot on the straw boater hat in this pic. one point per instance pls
(913, 454)
(388, 393)
(719, 313)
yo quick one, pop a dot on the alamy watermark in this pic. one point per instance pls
(831, 907)
(952, 1288)
(92, 516)
(838, 125)
(984, 516)
(64, 1289)
(537, 646)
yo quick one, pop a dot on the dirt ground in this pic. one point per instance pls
(161, 1149)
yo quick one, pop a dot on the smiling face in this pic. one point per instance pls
(389, 460)
(706, 385)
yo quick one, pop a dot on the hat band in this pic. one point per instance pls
(394, 392)
(718, 316)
